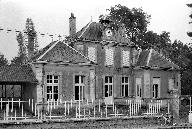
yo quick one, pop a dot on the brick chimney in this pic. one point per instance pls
(72, 24)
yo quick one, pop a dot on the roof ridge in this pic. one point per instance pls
(51, 47)
(76, 51)
(85, 29)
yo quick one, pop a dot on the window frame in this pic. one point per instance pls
(123, 86)
(51, 83)
(109, 86)
(140, 87)
(159, 89)
(81, 86)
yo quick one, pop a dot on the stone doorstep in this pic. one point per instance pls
(38, 121)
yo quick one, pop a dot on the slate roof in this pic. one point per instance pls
(22, 73)
(59, 51)
(154, 59)
(93, 31)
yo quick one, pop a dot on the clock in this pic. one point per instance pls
(108, 33)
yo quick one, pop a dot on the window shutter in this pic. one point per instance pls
(92, 54)
(109, 56)
(126, 59)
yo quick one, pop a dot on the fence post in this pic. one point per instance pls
(1, 103)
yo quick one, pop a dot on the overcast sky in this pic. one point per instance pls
(51, 17)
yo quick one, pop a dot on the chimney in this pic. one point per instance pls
(72, 24)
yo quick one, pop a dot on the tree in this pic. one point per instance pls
(3, 60)
(21, 58)
(31, 38)
(190, 33)
(134, 20)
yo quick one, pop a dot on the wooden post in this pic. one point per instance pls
(94, 109)
(35, 109)
(71, 103)
(99, 106)
(22, 110)
(79, 108)
(68, 109)
(1, 103)
(65, 109)
(7, 111)
(190, 105)
(106, 111)
(76, 110)
(29, 102)
(168, 107)
(32, 104)
(12, 105)
(15, 114)
(19, 103)
(84, 112)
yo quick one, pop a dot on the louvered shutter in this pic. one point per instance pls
(92, 54)
(109, 56)
(126, 59)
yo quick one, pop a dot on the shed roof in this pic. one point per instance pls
(22, 73)
(152, 58)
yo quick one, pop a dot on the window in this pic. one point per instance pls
(126, 59)
(80, 48)
(92, 54)
(108, 86)
(138, 87)
(124, 86)
(52, 87)
(156, 88)
(109, 56)
(79, 87)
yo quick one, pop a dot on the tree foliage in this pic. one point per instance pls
(3, 60)
(134, 20)
(21, 58)
(31, 38)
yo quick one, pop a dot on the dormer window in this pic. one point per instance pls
(125, 57)
(92, 54)
(109, 53)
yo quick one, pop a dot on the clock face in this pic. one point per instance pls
(108, 33)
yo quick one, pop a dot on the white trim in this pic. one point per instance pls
(85, 29)
(48, 50)
(149, 56)
(76, 51)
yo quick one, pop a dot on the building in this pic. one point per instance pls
(99, 62)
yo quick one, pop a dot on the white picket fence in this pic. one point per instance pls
(10, 108)
(77, 109)
(154, 107)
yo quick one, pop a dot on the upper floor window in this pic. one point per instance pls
(126, 58)
(109, 60)
(92, 54)
(80, 48)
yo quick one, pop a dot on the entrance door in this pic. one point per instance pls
(108, 89)
(156, 88)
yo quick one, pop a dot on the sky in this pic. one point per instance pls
(51, 17)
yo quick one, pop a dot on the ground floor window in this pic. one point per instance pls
(124, 86)
(108, 86)
(156, 88)
(138, 87)
(79, 87)
(52, 87)
(10, 91)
